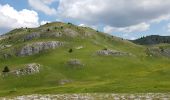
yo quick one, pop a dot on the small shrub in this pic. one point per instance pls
(70, 23)
(70, 50)
(6, 69)
(48, 30)
(105, 49)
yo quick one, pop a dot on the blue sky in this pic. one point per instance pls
(123, 18)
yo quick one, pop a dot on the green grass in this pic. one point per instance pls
(101, 74)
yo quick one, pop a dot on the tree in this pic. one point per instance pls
(62, 27)
(48, 30)
(70, 50)
(6, 69)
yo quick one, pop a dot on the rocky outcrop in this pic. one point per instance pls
(26, 70)
(31, 36)
(54, 34)
(70, 32)
(107, 52)
(37, 47)
(5, 46)
(156, 51)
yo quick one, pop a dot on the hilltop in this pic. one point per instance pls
(64, 58)
(152, 40)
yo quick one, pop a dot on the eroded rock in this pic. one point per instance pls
(70, 32)
(26, 70)
(31, 36)
(37, 47)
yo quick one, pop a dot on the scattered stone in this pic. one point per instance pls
(37, 47)
(92, 96)
(75, 63)
(107, 52)
(64, 81)
(79, 47)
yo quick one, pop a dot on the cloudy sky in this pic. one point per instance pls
(123, 18)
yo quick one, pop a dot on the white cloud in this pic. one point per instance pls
(11, 18)
(43, 5)
(119, 15)
(92, 26)
(44, 22)
(134, 28)
(168, 27)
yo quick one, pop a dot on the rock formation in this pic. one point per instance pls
(156, 51)
(37, 47)
(26, 70)
(31, 36)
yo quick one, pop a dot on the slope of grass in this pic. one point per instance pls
(103, 74)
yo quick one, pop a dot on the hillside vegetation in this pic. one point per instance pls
(152, 40)
(74, 59)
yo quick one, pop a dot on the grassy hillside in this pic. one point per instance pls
(105, 74)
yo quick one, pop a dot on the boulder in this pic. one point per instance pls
(37, 47)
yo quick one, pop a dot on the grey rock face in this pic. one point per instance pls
(32, 36)
(111, 52)
(37, 47)
(70, 32)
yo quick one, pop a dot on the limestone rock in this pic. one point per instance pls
(75, 62)
(37, 47)
(32, 36)
(26, 70)
(70, 32)
(64, 81)
(111, 52)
